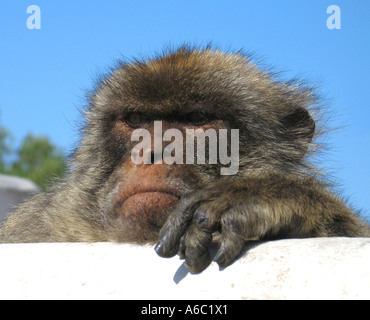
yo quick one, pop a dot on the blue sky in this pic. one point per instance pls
(45, 73)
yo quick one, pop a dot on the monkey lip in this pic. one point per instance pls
(148, 202)
(153, 193)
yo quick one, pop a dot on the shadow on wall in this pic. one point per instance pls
(13, 191)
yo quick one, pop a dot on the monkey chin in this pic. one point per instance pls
(140, 216)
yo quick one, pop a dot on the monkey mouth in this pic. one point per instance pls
(153, 192)
(148, 203)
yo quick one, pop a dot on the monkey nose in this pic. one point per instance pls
(146, 156)
(152, 157)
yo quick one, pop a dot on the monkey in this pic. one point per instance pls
(185, 209)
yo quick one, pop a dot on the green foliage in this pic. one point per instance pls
(4, 146)
(37, 159)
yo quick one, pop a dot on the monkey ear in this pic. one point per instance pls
(299, 125)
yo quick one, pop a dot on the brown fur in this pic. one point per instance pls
(277, 192)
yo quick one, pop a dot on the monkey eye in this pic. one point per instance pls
(135, 119)
(198, 118)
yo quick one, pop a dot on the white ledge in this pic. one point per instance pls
(322, 268)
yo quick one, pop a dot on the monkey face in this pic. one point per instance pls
(146, 192)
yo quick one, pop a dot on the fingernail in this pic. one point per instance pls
(219, 258)
(159, 248)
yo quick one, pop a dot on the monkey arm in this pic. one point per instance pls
(43, 218)
(27, 224)
(253, 209)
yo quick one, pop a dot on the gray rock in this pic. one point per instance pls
(13, 191)
(319, 268)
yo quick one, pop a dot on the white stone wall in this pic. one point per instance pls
(321, 268)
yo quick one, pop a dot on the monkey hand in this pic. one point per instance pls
(189, 229)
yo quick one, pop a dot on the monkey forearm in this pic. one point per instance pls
(253, 209)
(282, 208)
(43, 218)
(27, 225)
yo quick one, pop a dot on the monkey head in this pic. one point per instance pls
(184, 89)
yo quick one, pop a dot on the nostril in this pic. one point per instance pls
(152, 157)
(149, 156)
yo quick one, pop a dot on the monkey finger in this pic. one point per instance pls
(228, 252)
(197, 242)
(196, 261)
(182, 248)
(232, 243)
(174, 228)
